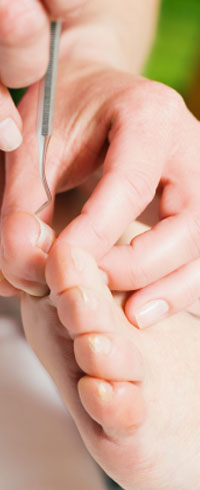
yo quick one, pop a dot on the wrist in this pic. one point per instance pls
(92, 44)
(111, 34)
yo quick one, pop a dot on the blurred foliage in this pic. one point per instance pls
(175, 54)
(17, 94)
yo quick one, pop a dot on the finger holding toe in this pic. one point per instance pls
(109, 356)
(118, 406)
(70, 266)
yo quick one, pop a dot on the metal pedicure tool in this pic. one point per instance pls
(46, 105)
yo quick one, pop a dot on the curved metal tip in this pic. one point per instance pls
(43, 145)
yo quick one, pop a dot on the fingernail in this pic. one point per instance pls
(151, 313)
(99, 344)
(46, 238)
(89, 298)
(10, 135)
(105, 391)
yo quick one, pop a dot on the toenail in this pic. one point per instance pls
(89, 298)
(151, 313)
(105, 391)
(78, 258)
(46, 238)
(99, 344)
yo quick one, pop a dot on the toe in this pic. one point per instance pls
(118, 406)
(25, 243)
(68, 267)
(111, 356)
(82, 310)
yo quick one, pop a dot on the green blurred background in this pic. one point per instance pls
(175, 57)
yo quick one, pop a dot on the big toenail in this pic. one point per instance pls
(151, 313)
(99, 344)
(105, 391)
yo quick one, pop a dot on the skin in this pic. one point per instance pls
(115, 114)
(24, 42)
(104, 112)
(139, 416)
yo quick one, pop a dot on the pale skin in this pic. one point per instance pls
(24, 43)
(134, 394)
(147, 139)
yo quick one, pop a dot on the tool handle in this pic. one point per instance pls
(50, 80)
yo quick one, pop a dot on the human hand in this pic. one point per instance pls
(24, 54)
(153, 139)
(24, 37)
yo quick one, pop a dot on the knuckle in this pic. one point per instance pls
(139, 276)
(169, 100)
(150, 97)
(139, 187)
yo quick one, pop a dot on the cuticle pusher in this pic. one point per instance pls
(47, 93)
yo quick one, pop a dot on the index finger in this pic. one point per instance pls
(132, 170)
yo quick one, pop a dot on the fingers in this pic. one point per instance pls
(132, 170)
(10, 122)
(166, 297)
(24, 42)
(25, 241)
(63, 8)
(24, 236)
(152, 254)
(5, 288)
(117, 407)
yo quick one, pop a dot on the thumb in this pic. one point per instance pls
(25, 240)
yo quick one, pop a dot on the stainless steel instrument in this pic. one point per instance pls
(46, 105)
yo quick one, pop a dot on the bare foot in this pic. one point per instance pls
(134, 395)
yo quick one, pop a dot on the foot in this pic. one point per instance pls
(134, 395)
